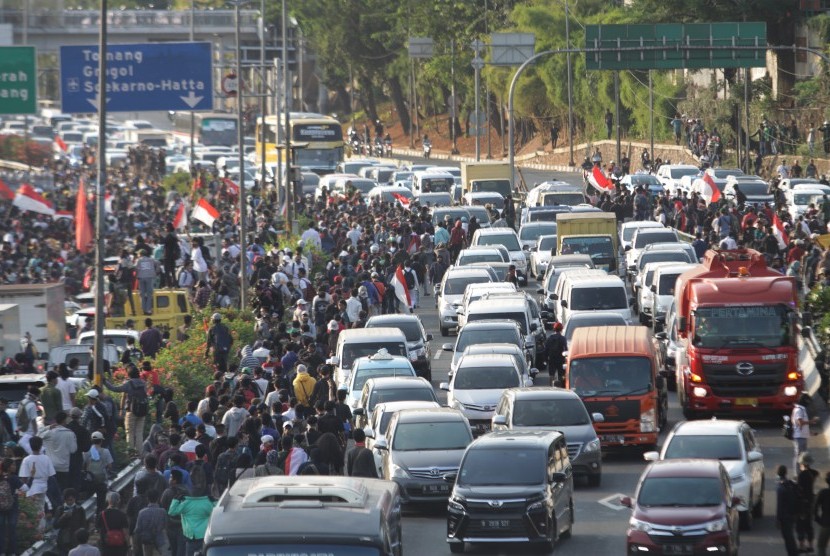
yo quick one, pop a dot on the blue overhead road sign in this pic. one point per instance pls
(153, 76)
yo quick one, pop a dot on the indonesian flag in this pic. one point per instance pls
(233, 189)
(398, 282)
(108, 203)
(60, 143)
(284, 209)
(779, 231)
(715, 191)
(598, 179)
(180, 219)
(404, 202)
(83, 226)
(5, 192)
(29, 199)
(63, 214)
(205, 213)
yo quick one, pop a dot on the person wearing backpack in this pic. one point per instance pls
(97, 465)
(137, 404)
(220, 339)
(224, 476)
(26, 418)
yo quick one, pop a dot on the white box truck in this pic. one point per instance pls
(42, 313)
(9, 330)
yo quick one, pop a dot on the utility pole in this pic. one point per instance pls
(477, 64)
(289, 178)
(570, 87)
(746, 165)
(617, 105)
(453, 99)
(263, 88)
(243, 204)
(192, 113)
(651, 112)
(100, 190)
(487, 85)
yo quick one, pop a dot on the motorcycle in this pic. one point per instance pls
(378, 150)
(427, 148)
(387, 147)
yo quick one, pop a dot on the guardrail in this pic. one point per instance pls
(120, 483)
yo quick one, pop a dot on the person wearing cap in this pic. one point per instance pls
(266, 447)
(555, 347)
(302, 305)
(146, 271)
(95, 416)
(97, 461)
(220, 339)
(50, 398)
(303, 385)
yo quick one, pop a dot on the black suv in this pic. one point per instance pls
(529, 499)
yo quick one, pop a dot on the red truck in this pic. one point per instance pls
(737, 326)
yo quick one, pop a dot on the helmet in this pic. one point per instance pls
(217, 316)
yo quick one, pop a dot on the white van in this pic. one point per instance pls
(363, 342)
(556, 295)
(516, 309)
(81, 352)
(427, 181)
(594, 293)
(662, 287)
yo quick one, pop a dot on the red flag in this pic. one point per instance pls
(197, 183)
(233, 189)
(83, 226)
(598, 179)
(60, 143)
(398, 283)
(778, 231)
(401, 199)
(5, 192)
(179, 220)
(27, 198)
(713, 186)
(205, 213)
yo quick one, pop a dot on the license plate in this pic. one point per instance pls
(678, 549)
(495, 523)
(436, 489)
(613, 439)
(746, 401)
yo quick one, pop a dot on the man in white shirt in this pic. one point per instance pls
(230, 248)
(354, 234)
(60, 443)
(801, 422)
(30, 431)
(312, 236)
(353, 307)
(39, 467)
(784, 172)
(235, 416)
(67, 390)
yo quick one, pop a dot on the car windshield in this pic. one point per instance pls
(803, 199)
(707, 446)
(613, 376)
(764, 326)
(600, 248)
(644, 179)
(352, 351)
(662, 257)
(543, 215)
(436, 185)
(485, 378)
(118, 341)
(722, 173)
(677, 173)
(680, 491)
(547, 243)
(441, 215)
(502, 187)
(607, 320)
(527, 233)
(667, 282)
(456, 286)
(598, 299)
(495, 201)
(550, 413)
(410, 328)
(562, 198)
(648, 238)
(439, 435)
(754, 188)
(277, 548)
(385, 395)
(475, 336)
(628, 232)
(510, 241)
(518, 317)
(515, 467)
(476, 257)
(361, 375)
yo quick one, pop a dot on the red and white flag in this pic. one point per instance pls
(779, 232)
(83, 225)
(233, 188)
(398, 282)
(404, 202)
(180, 219)
(63, 214)
(61, 143)
(5, 192)
(599, 180)
(29, 199)
(205, 213)
(714, 190)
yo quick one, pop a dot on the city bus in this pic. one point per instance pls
(320, 135)
(213, 129)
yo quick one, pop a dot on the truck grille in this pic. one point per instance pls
(726, 380)
(615, 411)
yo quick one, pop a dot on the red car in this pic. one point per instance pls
(683, 508)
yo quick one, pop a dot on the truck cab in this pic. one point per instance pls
(590, 233)
(736, 322)
(169, 309)
(614, 370)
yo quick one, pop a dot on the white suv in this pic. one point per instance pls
(508, 238)
(731, 442)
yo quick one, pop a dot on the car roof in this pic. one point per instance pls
(542, 393)
(570, 259)
(494, 231)
(518, 439)
(393, 361)
(385, 407)
(478, 349)
(489, 359)
(23, 378)
(429, 414)
(400, 317)
(455, 271)
(684, 468)
(398, 382)
(668, 246)
(489, 323)
(497, 304)
(672, 267)
(590, 280)
(594, 315)
(707, 427)
(357, 335)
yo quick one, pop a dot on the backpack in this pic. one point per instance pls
(206, 255)
(410, 279)
(225, 469)
(198, 477)
(309, 290)
(22, 416)
(6, 496)
(139, 402)
(98, 471)
(222, 337)
(787, 429)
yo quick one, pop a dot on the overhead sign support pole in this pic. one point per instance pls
(100, 191)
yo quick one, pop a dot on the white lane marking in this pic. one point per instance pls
(437, 356)
(613, 502)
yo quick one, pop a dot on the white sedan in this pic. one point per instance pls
(540, 255)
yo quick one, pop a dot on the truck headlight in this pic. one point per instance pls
(699, 392)
(648, 422)
(790, 391)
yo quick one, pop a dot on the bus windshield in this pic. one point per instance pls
(218, 131)
(766, 326)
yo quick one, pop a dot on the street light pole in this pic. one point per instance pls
(263, 88)
(100, 244)
(454, 100)
(289, 181)
(243, 205)
(570, 87)
(478, 63)
(192, 113)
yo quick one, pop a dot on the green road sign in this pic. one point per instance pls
(675, 46)
(18, 80)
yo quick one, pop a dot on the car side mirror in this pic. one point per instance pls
(429, 337)
(627, 248)
(533, 372)
(382, 444)
(558, 477)
(528, 382)
(444, 386)
(334, 360)
(736, 500)
(626, 501)
(448, 347)
(564, 303)
(806, 332)
(545, 315)
(534, 327)
(651, 456)
(653, 288)
(369, 432)
(499, 420)
(597, 417)
(660, 382)
(553, 296)
(525, 247)
(359, 412)
(631, 301)
(754, 456)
